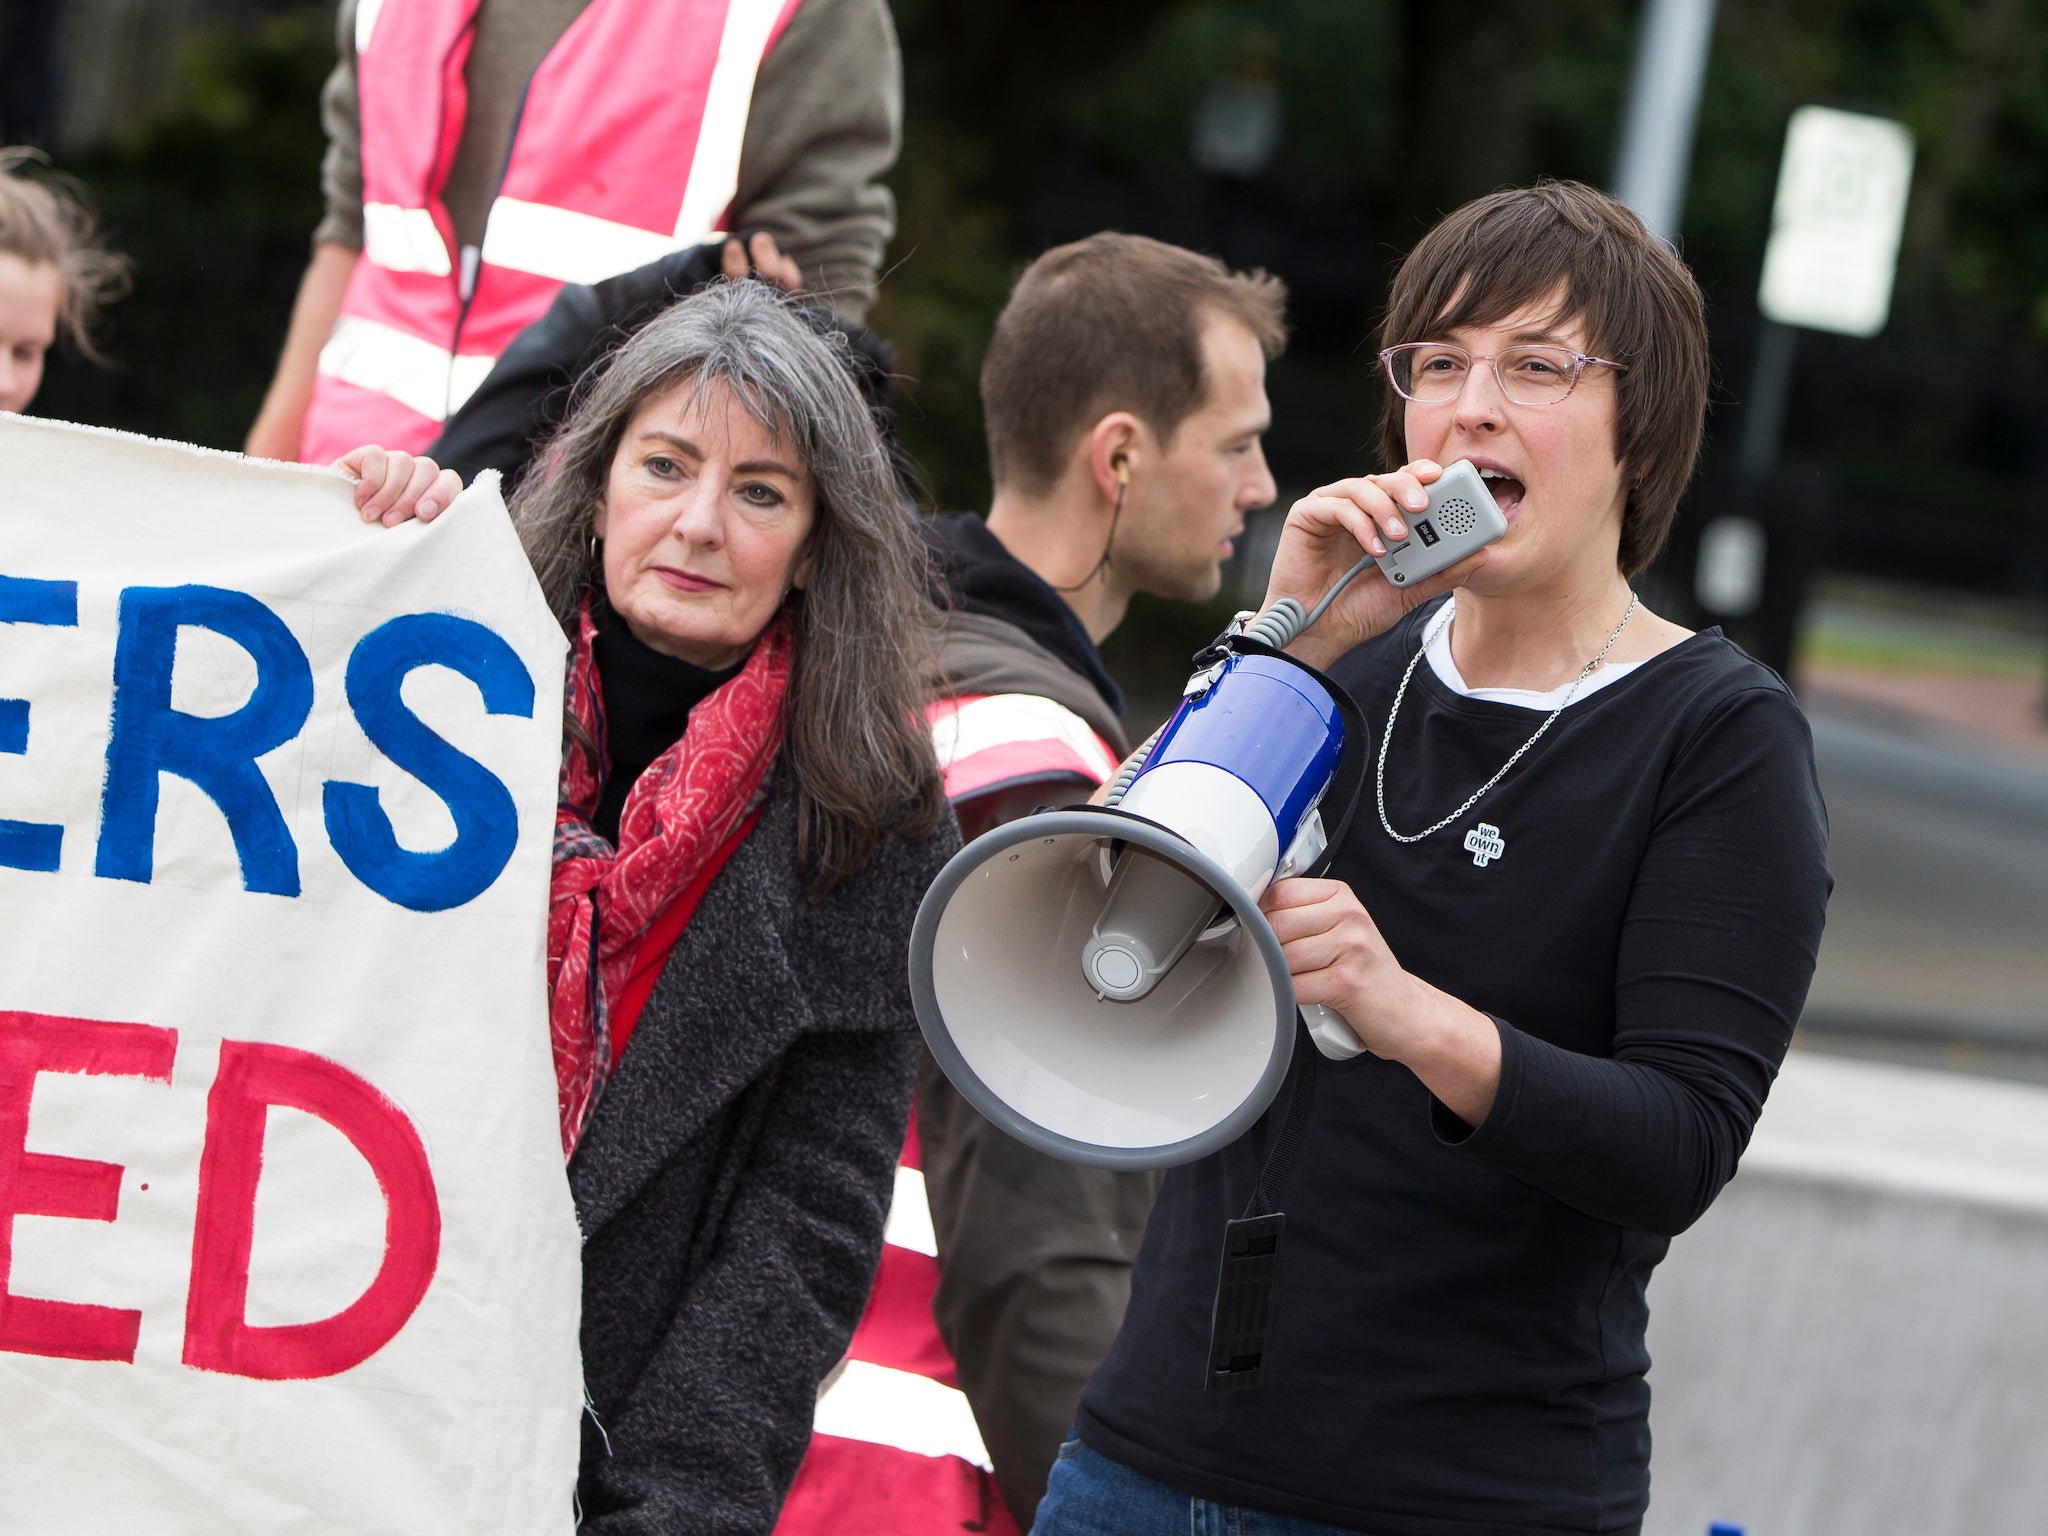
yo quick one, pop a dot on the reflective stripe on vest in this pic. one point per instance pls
(404, 240)
(987, 742)
(567, 246)
(910, 1215)
(627, 147)
(698, 90)
(366, 21)
(420, 376)
(901, 1409)
(894, 1445)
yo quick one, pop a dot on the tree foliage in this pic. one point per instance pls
(215, 200)
(1033, 121)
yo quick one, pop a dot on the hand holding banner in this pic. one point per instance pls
(285, 1241)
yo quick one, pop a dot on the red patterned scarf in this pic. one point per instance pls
(681, 811)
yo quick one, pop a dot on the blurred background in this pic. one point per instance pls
(1901, 493)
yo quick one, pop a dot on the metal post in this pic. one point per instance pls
(1663, 110)
(2044, 705)
(1729, 577)
(1770, 391)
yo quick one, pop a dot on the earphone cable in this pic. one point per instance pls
(1123, 484)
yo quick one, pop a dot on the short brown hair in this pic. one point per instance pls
(1110, 323)
(47, 221)
(1636, 299)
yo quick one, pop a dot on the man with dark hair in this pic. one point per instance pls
(1122, 356)
(1124, 392)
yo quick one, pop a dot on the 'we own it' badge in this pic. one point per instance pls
(1485, 843)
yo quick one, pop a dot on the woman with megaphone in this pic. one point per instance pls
(1572, 923)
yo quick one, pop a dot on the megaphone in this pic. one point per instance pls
(1099, 980)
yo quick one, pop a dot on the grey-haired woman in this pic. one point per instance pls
(749, 813)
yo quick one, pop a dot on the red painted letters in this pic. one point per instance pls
(218, 1336)
(252, 1078)
(38, 1184)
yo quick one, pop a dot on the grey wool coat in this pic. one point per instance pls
(733, 1181)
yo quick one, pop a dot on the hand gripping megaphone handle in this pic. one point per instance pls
(1334, 1037)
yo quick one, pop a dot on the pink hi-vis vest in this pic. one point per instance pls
(996, 741)
(895, 1448)
(627, 147)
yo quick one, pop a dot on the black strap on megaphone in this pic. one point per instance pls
(1243, 1312)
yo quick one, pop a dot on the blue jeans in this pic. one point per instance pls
(1090, 1495)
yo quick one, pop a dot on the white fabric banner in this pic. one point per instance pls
(285, 1239)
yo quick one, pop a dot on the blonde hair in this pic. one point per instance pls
(46, 220)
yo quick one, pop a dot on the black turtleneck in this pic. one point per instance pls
(647, 702)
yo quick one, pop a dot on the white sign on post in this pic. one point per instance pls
(285, 1239)
(1837, 221)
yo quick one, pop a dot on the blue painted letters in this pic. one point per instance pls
(218, 754)
(33, 845)
(486, 820)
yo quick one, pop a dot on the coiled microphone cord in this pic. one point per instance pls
(1279, 626)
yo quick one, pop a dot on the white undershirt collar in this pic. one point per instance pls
(1438, 650)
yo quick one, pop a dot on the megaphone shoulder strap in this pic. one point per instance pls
(1243, 1311)
(1278, 1155)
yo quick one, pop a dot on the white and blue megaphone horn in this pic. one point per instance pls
(1099, 980)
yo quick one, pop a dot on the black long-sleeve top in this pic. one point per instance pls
(1457, 1346)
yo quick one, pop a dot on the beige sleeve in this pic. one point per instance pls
(341, 168)
(825, 126)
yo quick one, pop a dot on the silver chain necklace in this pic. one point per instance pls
(1387, 736)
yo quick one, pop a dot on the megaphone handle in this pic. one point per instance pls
(1333, 1037)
